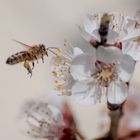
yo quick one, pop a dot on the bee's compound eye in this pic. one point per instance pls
(42, 47)
(8, 61)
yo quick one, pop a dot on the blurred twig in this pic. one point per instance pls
(115, 118)
(79, 134)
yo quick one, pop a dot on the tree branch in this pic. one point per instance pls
(115, 118)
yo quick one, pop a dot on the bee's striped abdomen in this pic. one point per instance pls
(18, 57)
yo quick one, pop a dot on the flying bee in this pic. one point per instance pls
(30, 55)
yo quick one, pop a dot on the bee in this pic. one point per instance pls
(30, 55)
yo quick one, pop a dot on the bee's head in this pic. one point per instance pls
(42, 48)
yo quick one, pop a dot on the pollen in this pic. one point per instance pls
(59, 85)
(58, 55)
(56, 81)
(56, 64)
(105, 74)
(66, 91)
(95, 17)
(56, 73)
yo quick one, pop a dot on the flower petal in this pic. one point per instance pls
(82, 67)
(115, 27)
(43, 120)
(117, 92)
(112, 36)
(87, 36)
(129, 24)
(56, 114)
(108, 54)
(132, 48)
(91, 25)
(77, 51)
(131, 36)
(126, 68)
(86, 93)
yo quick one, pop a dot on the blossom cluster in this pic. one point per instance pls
(86, 77)
(51, 120)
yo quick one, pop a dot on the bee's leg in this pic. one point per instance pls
(46, 53)
(33, 64)
(33, 54)
(42, 58)
(27, 66)
(36, 59)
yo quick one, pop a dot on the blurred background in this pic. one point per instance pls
(47, 22)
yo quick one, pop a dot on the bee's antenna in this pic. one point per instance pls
(53, 52)
(50, 49)
(21, 43)
(53, 48)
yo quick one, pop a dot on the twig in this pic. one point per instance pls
(80, 135)
(115, 118)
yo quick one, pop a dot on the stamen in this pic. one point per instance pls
(59, 85)
(105, 74)
(53, 52)
(56, 64)
(57, 73)
(66, 91)
(41, 122)
(67, 42)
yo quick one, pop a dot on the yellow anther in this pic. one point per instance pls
(59, 86)
(58, 55)
(66, 62)
(56, 81)
(56, 64)
(96, 16)
(113, 26)
(66, 91)
(56, 74)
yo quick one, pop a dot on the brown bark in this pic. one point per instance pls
(115, 118)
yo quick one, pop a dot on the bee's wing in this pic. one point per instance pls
(21, 43)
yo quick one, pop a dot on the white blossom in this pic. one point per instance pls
(120, 27)
(60, 66)
(95, 78)
(110, 70)
(114, 65)
(123, 32)
(48, 121)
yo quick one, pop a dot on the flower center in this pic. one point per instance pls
(105, 73)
